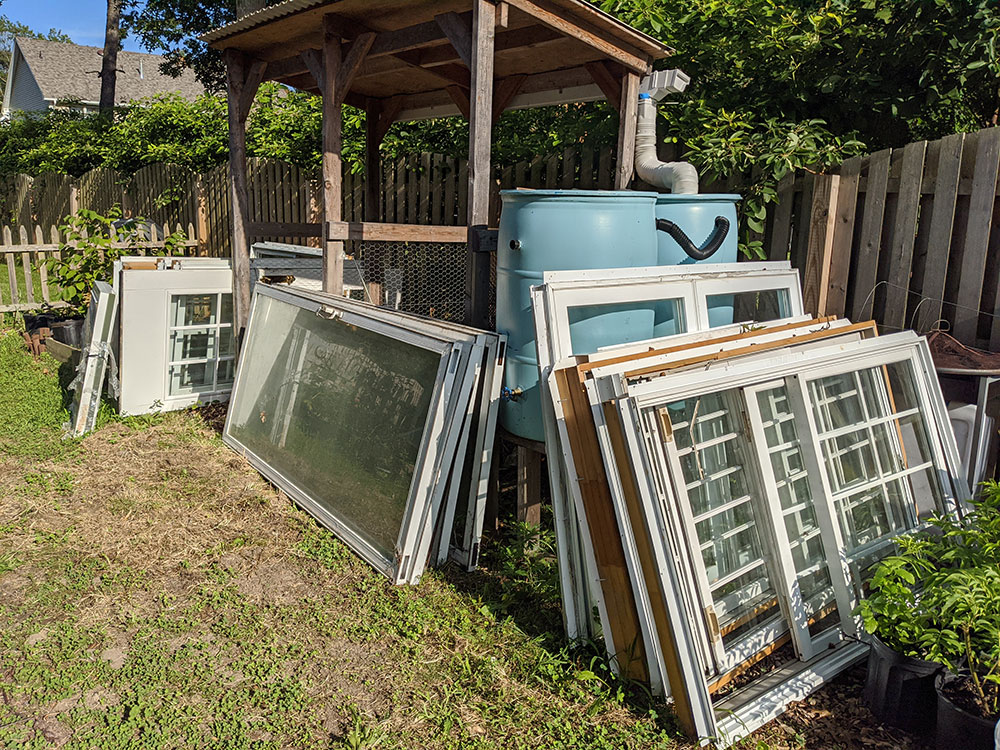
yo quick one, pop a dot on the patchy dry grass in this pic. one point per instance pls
(155, 592)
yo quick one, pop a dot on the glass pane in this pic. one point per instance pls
(594, 326)
(812, 575)
(194, 309)
(760, 306)
(339, 411)
(226, 314)
(708, 435)
(227, 342)
(227, 372)
(191, 378)
(881, 472)
(197, 343)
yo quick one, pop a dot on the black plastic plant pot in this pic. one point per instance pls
(899, 690)
(957, 728)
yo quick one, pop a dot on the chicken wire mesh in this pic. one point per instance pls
(419, 277)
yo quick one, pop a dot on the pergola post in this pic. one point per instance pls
(480, 147)
(628, 122)
(333, 251)
(242, 82)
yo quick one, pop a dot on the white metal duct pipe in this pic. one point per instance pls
(675, 176)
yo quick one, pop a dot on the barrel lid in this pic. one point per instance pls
(698, 198)
(577, 194)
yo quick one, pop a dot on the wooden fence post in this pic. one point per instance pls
(820, 258)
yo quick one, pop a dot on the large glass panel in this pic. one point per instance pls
(192, 343)
(594, 326)
(196, 377)
(337, 410)
(798, 508)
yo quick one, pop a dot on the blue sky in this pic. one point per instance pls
(82, 20)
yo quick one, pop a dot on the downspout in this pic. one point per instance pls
(675, 176)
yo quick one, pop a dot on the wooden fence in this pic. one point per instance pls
(909, 237)
(27, 285)
(419, 189)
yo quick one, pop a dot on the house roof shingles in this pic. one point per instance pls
(71, 71)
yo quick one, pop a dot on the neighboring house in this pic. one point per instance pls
(45, 74)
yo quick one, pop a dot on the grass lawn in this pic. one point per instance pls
(155, 592)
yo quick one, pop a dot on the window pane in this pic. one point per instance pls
(191, 378)
(719, 490)
(339, 411)
(882, 472)
(761, 306)
(198, 343)
(226, 314)
(594, 326)
(805, 540)
(194, 309)
(227, 372)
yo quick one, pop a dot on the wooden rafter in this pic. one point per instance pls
(460, 96)
(313, 60)
(547, 14)
(352, 62)
(610, 84)
(459, 33)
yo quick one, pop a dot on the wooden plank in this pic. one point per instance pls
(43, 271)
(15, 296)
(29, 286)
(463, 191)
(459, 33)
(609, 83)
(568, 168)
(800, 238)
(627, 131)
(843, 237)
(547, 14)
(437, 179)
(904, 235)
(461, 98)
(981, 206)
(450, 211)
(506, 89)
(286, 229)
(236, 81)
(351, 64)
(602, 524)
(605, 170)
(480, 143)
(587, 168)
(551, 172)
(344, 230)
(529, 486)
(333, 169)
(870, 243)
(819, 254)
(425, 189)
(781, 232)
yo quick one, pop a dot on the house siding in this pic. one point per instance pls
(25, 94)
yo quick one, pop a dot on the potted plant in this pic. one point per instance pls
(91, 245)
(899, 686)
(934, 606)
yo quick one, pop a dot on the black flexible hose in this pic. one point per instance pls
(708, 249)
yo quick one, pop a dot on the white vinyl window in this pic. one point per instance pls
(201, 344)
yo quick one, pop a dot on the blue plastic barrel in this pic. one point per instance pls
(563, 230)
(698, 217)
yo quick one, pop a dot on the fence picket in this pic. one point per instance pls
(866, 269)
(904, 236)
(981, 206)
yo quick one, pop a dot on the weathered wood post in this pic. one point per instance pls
(480, 142)
(333, 251)
(242, 81)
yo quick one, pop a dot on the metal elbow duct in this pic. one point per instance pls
(675, 176)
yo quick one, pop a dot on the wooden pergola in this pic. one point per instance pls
(404, 60)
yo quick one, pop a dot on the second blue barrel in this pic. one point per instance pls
(562, 230)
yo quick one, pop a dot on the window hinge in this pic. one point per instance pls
(713, 623)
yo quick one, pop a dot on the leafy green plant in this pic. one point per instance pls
(939, 597)
(91, 245)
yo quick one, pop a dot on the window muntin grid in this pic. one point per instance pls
(876, 453)
(200, 344)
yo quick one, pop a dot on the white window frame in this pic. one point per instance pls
(218, 329)
(146, 295)
(97, 335)
(635, 405)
